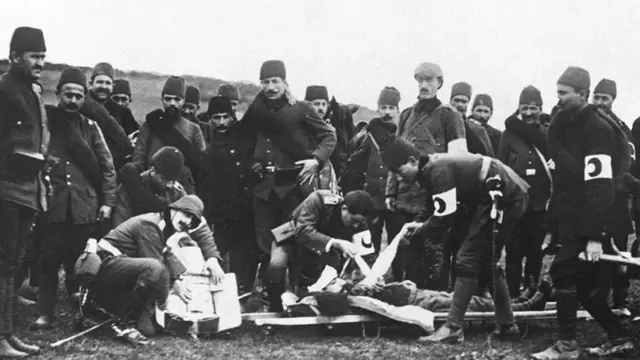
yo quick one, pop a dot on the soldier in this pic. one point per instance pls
(366, 161)
(166, 126)
(226, 188)
(337, 116)
(432, 127)
(232, 92)
(523, 147)
(83, 181)
(478, 141)
(142, 192)
(589, 152)
(24, 138)
(94, 108)
(135, 267)
(190, 109)
(455, 181)
(121, 96)
(293, 144)
(482, 111)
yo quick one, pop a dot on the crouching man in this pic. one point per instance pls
(134, 261)
(321, 223)
(452, 181)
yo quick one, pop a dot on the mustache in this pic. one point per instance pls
(37, 67)
(72, 106)
(271, 92)
(423, 90)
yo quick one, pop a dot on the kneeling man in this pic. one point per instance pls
(134, 260)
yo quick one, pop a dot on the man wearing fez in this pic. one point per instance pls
(292, 144)
(190, 109)
(24, 138)
(167, 127)
(523, 147)
(83, 181)
(226, 188)
(121, 98)
(337, 116)
(454, 181)
(478, 141)
(366, 162)
(94, 108)
(431, 127)
(151, 190)
(591, 154)
(231, 91)
(481, 111)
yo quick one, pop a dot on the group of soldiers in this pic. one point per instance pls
(84, 169)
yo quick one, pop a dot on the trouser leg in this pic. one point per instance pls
(515, 241)
(533, 252)
(620, 279)
(375, 228)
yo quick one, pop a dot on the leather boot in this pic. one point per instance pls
(42, 322)
(507, 332)
(562, 350)
(9, 352)
(22, 346)
(537, 301)
(145, 322)
(274, 293)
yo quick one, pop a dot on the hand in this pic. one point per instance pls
(390, 203)
(309, 170)
(180, 288)
(345, 247)
(546, 242)
(105, 212)
(367, 287)
(215, 271)
(593, 251)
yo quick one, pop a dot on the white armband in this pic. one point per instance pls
(457, 146)
(445, 203)
(597, 166)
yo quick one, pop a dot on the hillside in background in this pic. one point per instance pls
(146, 87)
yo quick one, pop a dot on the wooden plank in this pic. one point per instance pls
(318, 320)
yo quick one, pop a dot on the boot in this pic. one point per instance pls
(507, 332)
(528, 292)
(41, 323)
(145, 323)
(537, 301)
(562, 350)
(274, 293)
(9, 352)
(446, 334)
(614, 347)
(22, 346)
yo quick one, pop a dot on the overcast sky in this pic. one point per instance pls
(353, 47)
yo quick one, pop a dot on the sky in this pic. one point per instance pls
(354, 47)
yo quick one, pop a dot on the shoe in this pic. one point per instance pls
(22, 346)
(613, 348)
(562, 350)
(145, 323)
(445, 334)
(7, 351)
(507, 332)
(23, 301)
(41, 323)
(537, 301)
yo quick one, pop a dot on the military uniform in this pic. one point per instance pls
(528, 161)
(23, 125)
(455, 181)
(83, 179)
(590, 153)
(226, 188)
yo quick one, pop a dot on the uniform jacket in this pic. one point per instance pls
(437, 131)
(185, 135)
(366, 164)
(74, 191)
(478, 140)
(341, 119)
(285, 134)
(494, 136)
(143, 236)
(458, 180)
(318, 219)
(520, 154)
(589, 154)
(205, 128)
(137, 195)
(23, 125)
(116, 139)
(226, 185)
(123, 116)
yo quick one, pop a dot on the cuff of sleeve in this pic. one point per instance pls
(320, 162)
(327, 247)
